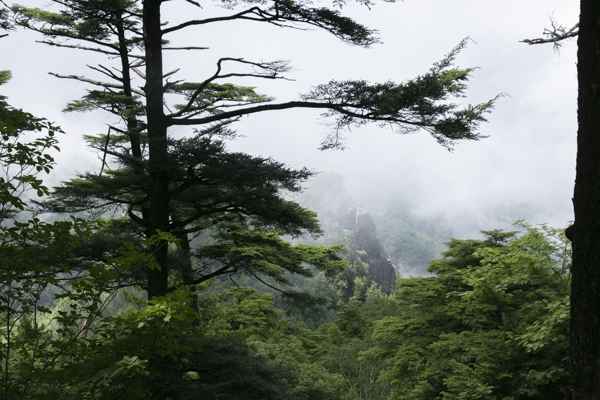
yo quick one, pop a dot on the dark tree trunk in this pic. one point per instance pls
(158, 213)
(584, 366)
(187, 274)
(157, 145)
(133, 130)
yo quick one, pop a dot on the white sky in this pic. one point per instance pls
(528, 159)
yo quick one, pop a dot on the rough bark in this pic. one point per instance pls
(584, 366)
(157, 145)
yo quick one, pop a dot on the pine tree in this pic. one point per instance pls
(160, 180)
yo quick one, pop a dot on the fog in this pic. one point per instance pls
(524, 169)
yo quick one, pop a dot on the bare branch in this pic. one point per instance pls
(263, 76)
(103, 70)
(78, 46)
(203, 86)
(273, 69)
(195, 3)
(139, 72)
(114, 128)
(171, 73)
(105, 85)
(241, 15)
(186, 48)
(555, 35)
(221, 271)
(252, 110)
(268, 285)
(134, 66)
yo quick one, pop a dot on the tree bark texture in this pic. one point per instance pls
(157, 145)
(584, 365)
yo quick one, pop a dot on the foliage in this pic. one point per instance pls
(351, 335)
(5, 24)
(182, 344)
(22, 161)
(190, 185)
(491, 324)
(226, 368)
(34, 255)
(245, 319)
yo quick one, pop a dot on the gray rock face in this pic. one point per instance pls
(380, 265)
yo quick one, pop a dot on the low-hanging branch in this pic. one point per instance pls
(247, 111)
(420, 103)
(444, 122)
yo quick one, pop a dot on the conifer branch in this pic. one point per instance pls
(97, 83)
(134, 217)
(240, 15)
(80, 47)
(221, 271)
(272, 71)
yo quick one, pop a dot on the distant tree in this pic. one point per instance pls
(135, 33)
(250, 352)
(491, 324)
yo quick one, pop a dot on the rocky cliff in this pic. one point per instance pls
(381, 269)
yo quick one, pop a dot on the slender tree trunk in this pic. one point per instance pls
(133, 127)
(187, 273)
(157, 145)
(133, 130)
(584, 366)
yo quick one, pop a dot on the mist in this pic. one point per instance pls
(524, 169)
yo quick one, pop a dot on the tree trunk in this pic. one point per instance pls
(133, 130)
(584, 366)
(157, 146)
(187, 274)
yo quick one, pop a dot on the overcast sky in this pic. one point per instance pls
(528, 159)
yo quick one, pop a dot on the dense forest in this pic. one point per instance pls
(183, 270)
